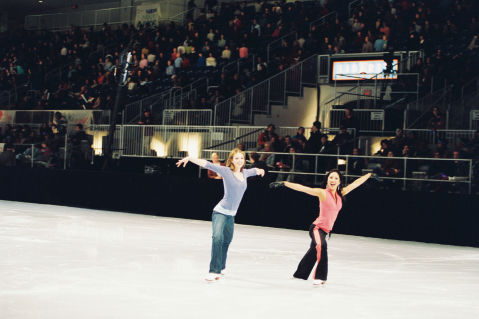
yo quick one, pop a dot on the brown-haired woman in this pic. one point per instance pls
(330, 203)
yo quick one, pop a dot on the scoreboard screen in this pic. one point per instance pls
(354, 70)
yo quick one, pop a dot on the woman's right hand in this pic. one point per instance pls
(183, 161)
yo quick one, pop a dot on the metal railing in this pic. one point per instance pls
(170, 98)
(368, 119)
(470, 89)
(181, 17)
(237, 65)
(174, 140)
(451, 137)
(323, 20)
(373, 94)
(474, 120)
(87, 18)
(406, 173)
(467, 103)
(353, 5)
(169, 11)
(415, 112)
(240, 108)
(278, 43)
(187, 117)
(177, 141)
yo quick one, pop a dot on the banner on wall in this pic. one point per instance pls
(148, 13)
(7, 117)
(84, 117)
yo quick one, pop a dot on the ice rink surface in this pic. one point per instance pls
(63, 262)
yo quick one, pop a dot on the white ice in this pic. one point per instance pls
(63, 262)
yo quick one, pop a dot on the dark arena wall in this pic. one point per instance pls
(415, 216)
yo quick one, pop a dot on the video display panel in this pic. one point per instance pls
(354, 70)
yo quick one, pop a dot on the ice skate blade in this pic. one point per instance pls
(319, 283)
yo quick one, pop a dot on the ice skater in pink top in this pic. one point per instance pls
(330, 203)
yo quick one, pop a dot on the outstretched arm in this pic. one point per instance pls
(197, 161)
(319, 192)
(357, 182)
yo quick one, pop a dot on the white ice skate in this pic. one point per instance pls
(319, 283)
(212, 277)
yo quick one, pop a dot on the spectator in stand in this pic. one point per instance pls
(178, 61)
(406, 151)
(286, 143)
(81, 147)
(299, 140)
(390, 168)
(254, 161)
(314, 142)
(458, 171)
(146, 118)
(288, 163)
(437, 120)
(268, 157)
(201, 61)
(343, 141)
(241, 146)
(215, 161)
(367, 45)
(398, 141)
(350, 121)
(211, 60)
(221, 42)
(59, 124)
(170, 69)
(383, 149)
(266, 136)
(226, 53)
(441, 148)
(357, 164)
(243, 51)
(381, 43)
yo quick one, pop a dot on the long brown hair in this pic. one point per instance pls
(229, 161)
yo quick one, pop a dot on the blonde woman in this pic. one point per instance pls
(235, 182)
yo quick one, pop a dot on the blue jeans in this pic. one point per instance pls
(223, 227)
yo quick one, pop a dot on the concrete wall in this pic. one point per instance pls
(430, 217)
(329, 92)
(299, 111)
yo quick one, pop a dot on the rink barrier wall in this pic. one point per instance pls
(414, 216)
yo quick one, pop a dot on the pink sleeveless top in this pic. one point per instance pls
(328, 211)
